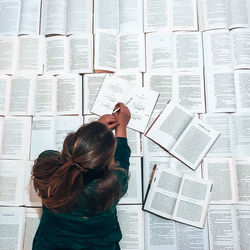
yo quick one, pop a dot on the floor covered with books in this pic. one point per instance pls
(54, 57)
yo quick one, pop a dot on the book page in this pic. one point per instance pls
(169, 126)
(187, 51)
(188, 90)
(132, 52)
(159, 50)
(53, 19)
(134, 193)
(156, 15)
(42, 136)
(132, 76)
(80, 53)
(217, 50)
(106, 15)
(92, 84)
(106, 51)
(194, 143)
(241, 48)
(30, 54)
(22, 95)
(223, 231)
(4, 94)
(223, 146)
(69, 95)
(220, 172)
(30, 17)
(191, 206)
(16, 138)
(184, 15)
(9, 17)
(79, 16)
(131, 221)
(12, 179)
(131, 16)
(8, 52)
(32, 220)
(240, 134)
(213, 14)
(45, 104)
(56, 54)
(242, 167)
(161, 82)
(31, 198)
(134, 142)
(242, 89)
(12, 226)
(63, 126)
(220, 91)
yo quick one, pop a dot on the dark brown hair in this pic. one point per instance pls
(83, 174)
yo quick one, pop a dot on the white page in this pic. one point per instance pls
(133, 76)
(159, 50)
(213, 14)
(188, 51)
(91, 86)
(240, 124)
(159, 233)
(22, 95)
(222, 228)
(80, 53)
(194, 143)
(106, 51)
(169, 126)
(132, 52)
(184, 15)
(8, 53)
(217, 49)
(106, 15)
(131, 221)
(56, 54)
(220, 89)
(134, 193)
(90, 118)
(79, 16)
(69, 95)
(242, 167)
(9, 16)
(32, 221)
(12, 226)
(63, 126)
(31, 198)
(42, 136)
(220, 172)
(223, 146)
(189, 90)
(53, 19)
(4, 94)
(162, 82)
(30, 17)
(156, 15)
(130, 16)
(241, 48)
(30, 54)
(16, 138)
(134, 142)
(45, 103)
(12, 182)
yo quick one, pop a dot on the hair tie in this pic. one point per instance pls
(72, 163)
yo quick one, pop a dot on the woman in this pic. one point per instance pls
(81, 186)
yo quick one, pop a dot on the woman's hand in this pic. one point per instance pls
(109, 121)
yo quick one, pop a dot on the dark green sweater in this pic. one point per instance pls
(71, 231)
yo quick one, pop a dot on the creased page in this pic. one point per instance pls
(169, 126)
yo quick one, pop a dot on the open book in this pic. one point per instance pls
(182, 134)
(20, 17)
(140, 101)
(174, 195)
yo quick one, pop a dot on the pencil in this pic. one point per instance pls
(116, 110)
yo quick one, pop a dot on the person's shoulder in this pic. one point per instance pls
(48, 153)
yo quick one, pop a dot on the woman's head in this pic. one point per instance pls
(87, 159)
